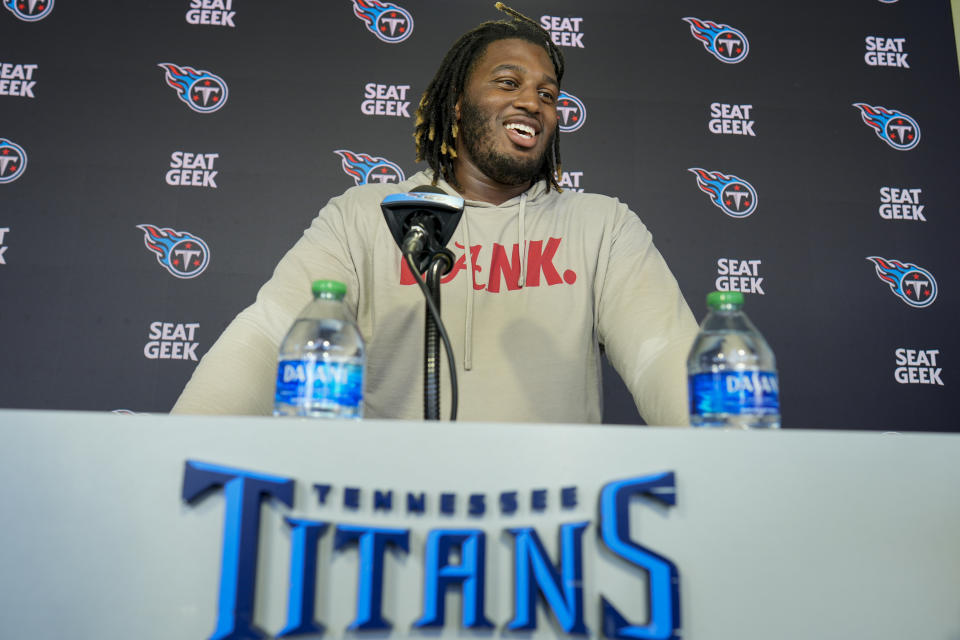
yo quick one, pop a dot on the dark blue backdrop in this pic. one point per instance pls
(83, 299)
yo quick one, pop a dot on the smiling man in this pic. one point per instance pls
(542, 277)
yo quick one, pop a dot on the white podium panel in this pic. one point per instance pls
(216, 527)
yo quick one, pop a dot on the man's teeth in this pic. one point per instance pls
(522, 129)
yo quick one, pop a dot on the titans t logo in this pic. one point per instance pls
(734, 196)
(896, 128)
(200, 90)
(387, 21)
(912, 284)
(181, 253)
(365, 169)
(723, 41)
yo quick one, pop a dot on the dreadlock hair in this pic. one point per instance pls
(436, 130)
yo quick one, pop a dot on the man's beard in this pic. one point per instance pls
(478, 138)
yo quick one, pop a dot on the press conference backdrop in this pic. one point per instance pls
(158, 157)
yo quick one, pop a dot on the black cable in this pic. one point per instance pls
(431, 345)
(454, 391)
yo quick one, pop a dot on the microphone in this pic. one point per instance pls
(422, 222)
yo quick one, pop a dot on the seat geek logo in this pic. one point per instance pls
(192, 169)
(896, 128)
(13, 161)
(211, 12)
(564, 32)
(912, 284)
(389, 22)
(3, 248)
(733, 195)
(901, 203)
(171, 341)
(885, 52)
(17, 79)
(385, 100)
(734, 274)
(366, 169)
(731, 119)
(570, 181)
(724, 42)
(917, 366)
(201, 90)
(181, 253)
(29, 10)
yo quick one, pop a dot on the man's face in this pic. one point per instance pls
(508, 112)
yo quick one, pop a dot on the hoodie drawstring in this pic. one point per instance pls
(468, 282)
(522, 239)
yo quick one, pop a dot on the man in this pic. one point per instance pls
(542, 277)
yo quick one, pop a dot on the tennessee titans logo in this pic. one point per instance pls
(181, 253)
(571, 112)
(369, 170)
(13, 160)
(896, 128)
(200, 90)
(912, 284)
(735, 196)
(723, 41)
(29, 10)
(387, 21)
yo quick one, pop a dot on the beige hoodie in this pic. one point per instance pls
(525, 325)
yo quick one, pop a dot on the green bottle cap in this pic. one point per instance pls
(338, 289)
(718, 299)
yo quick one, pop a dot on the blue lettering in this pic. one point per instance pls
(440, 574)
(560, 585)
(538, 499)
(351, 498)
(477, 504)
(562, 591)
(382, 501)
(243, 491)
(372, 544)
(568, 497)
(303, 578)
(448, 503)
(322, 491)
(663, 581)
(416, 503)
(508, 502)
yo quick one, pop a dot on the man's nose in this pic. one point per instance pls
(527, 98)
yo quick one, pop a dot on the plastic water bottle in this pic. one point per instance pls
(732, 372)
(320, 370)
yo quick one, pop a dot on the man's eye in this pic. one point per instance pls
(546, 95)
(508, 82)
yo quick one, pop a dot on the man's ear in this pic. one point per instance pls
(456, 110)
